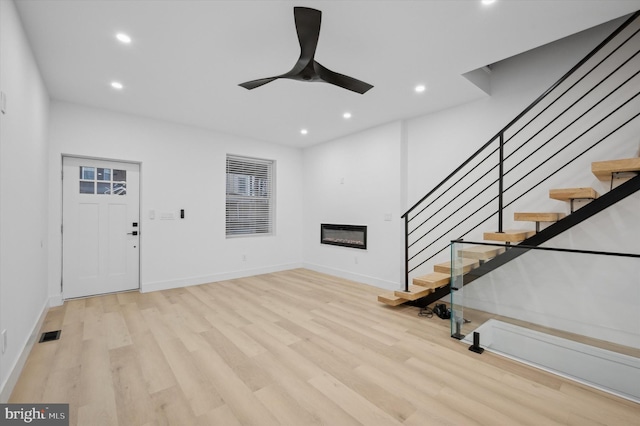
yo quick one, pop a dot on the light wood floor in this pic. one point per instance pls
(290, 348)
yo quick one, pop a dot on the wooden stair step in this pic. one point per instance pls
(513, 236)
(480, 252)
(467, 265)
(415, 292)
(604, 170)
(391, 299)
(538, 217)
(568, 194)
(433, 280)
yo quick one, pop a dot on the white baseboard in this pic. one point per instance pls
(185, 282)
(376, 282)
(16, 369)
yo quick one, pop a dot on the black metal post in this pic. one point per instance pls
(500, 182)
(406, 253)
(476, 344)
(458, 335)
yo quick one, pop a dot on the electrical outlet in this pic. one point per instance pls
(244, 257)
(4, 340)
(356, 259)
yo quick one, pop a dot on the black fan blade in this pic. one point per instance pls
(308, 29)
(306, 68)
(257, 83)
(341, 80)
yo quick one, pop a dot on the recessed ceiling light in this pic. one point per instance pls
(304, 131)
(117, 85)
(488, 2)
(124, 38)
(420, 88)
(347, 115)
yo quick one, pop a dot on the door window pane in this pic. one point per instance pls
(119, 189)
(119, 175)
(104, 174)
(87, 173)
(104, 188)
(87, 188)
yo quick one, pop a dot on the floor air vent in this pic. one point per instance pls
(49, 336)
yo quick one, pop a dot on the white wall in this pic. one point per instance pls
(23, 200)
(356, 181)
(181, 168)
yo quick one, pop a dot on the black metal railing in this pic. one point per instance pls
(595, 100)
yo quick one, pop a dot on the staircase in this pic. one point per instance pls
(437, 282)
(589, 114)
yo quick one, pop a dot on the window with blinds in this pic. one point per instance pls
(249, 208)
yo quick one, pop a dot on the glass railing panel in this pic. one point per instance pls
(571, 312)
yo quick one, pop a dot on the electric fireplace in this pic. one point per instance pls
(354, 236)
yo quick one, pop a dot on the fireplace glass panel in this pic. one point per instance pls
(354, 236)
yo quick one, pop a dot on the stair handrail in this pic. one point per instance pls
(500, 138)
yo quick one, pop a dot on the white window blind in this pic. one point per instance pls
(249, 208)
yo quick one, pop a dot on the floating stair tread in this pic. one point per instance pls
(415, 292)
(467, 265)
(568, 194)
(391, 299)
(481, 252)
(433, 280)
(514, 236)
(603, 170)
(538, 217)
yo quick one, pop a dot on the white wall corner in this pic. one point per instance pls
(481, 78)
(55, 300)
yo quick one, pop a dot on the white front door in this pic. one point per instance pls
(100, 227)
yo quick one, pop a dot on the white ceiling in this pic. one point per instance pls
(188, 57)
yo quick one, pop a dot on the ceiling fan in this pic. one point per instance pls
(306, 68)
